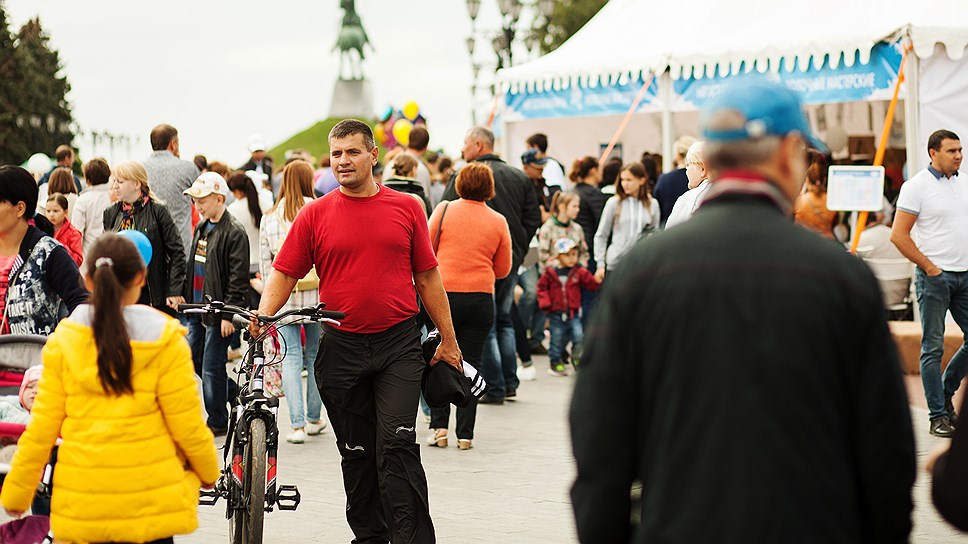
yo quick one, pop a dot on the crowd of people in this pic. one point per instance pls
(505, 263)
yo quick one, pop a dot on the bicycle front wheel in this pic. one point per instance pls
(245, 524)
(255, 481)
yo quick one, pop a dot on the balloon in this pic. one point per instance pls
(401, 131)
(380, 134)
(387, 114)
(141, 242)
(410, 110)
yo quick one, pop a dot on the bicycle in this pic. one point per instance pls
(253, 434)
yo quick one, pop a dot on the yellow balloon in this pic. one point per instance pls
(401, 131)
(380, 134)
(411, 110)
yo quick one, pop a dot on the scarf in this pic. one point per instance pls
(128, 211)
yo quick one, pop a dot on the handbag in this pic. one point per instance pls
(311, 281)
(272, 374)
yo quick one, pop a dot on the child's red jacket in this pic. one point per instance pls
(71, 238)
(555, 297)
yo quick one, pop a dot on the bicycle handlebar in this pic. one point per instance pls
(316, 313)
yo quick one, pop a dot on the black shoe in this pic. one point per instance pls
(491, 399)
(539, 350)
(950, 408)
(941, 426)
(218, 432)
(509, 394)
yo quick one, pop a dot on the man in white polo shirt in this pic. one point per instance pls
(936, 202)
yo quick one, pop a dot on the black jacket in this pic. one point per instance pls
(590, 205)
(166, 271)
(949, 482)
(514, 200)
(741, 369)
(227, 262)
(409, 186)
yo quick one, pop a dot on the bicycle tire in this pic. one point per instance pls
(255, 482)
(236, 517)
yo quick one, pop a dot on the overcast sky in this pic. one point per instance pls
(221, 70)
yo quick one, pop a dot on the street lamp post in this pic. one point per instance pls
(503, 40)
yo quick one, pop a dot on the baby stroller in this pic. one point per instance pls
(17, 354)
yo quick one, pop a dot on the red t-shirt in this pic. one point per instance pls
(366, 251)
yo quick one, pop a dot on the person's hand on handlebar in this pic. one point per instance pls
(256, 328)
(227, 328)
(449, 352)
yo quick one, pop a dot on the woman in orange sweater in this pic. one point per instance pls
(473, 246)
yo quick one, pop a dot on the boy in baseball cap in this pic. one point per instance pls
(559, 296)
(219, 268)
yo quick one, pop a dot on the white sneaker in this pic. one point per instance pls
(312, 429)
(296, 437)
(527, 373)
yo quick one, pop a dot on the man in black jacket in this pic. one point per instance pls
(514, 200)
(219, 268)
(765, 402)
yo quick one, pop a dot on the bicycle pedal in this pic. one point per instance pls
(207, 498)
(287, 497)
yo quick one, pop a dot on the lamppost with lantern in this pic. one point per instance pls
(504, 39)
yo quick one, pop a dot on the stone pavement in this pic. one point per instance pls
(512, 487)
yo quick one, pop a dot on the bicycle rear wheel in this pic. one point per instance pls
(245, 526)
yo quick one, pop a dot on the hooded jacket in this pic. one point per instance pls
(555, 297)
(42, 278)
(129, 466)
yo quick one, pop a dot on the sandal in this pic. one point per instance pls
(438, 439)
(464, 444)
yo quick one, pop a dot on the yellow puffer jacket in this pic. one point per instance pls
(129, 467)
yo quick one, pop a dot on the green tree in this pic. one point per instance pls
(569, 16)
(36, 116)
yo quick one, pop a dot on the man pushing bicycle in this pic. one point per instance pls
(371, 250)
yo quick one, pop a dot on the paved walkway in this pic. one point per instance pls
(512, 487)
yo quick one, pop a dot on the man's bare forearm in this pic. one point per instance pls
(276, 292)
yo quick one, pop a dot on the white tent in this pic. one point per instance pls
(707, 40)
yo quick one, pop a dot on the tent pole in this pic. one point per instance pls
(668, 131)
(882, 146)
(912, 114)
(626, 119)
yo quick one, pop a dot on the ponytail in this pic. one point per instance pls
(581, 168)
(113, 264)
(240, 181)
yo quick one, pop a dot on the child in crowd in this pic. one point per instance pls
(64, 232)
(562, 225)
(218, 267)
(117, 386)
(17, 409)
(559, 296)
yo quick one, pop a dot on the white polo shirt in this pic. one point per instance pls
(941, 207)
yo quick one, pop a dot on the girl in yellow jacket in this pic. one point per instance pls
(118, 387)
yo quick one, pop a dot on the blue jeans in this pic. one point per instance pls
(589, 299)
(936, 295)
(210, 355)
(295, 359)
(500, 363)
(564, 329)
(532, 316)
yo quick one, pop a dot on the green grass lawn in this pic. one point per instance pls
(313, 139)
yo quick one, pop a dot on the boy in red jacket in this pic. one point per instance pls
(559, 296)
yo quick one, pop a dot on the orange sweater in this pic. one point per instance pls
(474, 247)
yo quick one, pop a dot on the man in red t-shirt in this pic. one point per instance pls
(371, 248)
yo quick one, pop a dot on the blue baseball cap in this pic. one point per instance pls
(770, 109)
(533, 157)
